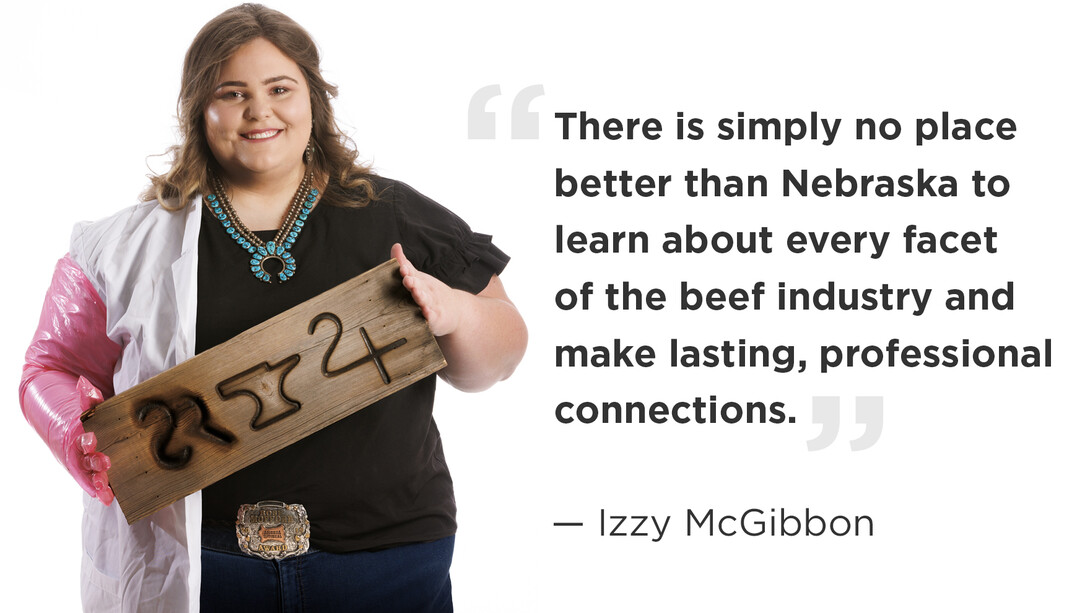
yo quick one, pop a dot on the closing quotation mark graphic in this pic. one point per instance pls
(868, 412)
(524, 124)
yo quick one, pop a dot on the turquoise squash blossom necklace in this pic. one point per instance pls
(275, 253)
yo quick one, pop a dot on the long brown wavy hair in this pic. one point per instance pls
(192, 163)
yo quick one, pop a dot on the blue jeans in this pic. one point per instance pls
(411, 578)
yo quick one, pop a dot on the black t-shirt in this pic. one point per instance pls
(377, 477)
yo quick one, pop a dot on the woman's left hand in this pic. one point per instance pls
(482, 335)
(441, 305)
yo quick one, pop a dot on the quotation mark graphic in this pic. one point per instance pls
(524, 124)
(868, 412)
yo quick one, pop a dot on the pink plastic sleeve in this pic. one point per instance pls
(69, 368)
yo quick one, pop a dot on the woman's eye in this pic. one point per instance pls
(280, 90)
(232, 95)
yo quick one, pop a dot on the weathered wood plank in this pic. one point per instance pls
(261, 391)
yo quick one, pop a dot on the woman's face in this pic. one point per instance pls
(258, 124)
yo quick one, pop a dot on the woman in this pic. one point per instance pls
(262, 160)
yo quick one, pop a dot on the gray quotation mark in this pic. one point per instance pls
(524, 123)
(868, 412)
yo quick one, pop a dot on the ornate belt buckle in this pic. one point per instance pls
(273, 530)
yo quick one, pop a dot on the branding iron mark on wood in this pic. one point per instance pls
(261, 391)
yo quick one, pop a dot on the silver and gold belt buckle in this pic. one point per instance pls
(273, 530)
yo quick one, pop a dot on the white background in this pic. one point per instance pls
(977, 485)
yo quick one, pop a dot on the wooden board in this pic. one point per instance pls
(261, 391)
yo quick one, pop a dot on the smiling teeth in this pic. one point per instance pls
(260, 135)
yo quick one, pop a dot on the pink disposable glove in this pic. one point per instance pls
(70, 360)
(84, 462)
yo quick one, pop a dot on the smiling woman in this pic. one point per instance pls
(264, 207)
(258, 123)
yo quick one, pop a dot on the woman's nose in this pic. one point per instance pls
(259, 107)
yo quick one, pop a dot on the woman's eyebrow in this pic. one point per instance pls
(265, 82)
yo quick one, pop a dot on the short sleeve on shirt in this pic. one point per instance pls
(439, 243)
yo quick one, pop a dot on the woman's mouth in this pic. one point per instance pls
(260, 134)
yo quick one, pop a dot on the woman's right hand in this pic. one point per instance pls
(83, 460)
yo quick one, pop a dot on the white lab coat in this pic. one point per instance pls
(143, 262)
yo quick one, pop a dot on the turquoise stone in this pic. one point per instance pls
(210, 198)
(250, 249)
(266, 277)
(262, 251)
(283, 277)
(271, 246)
(280, 250)
(303, 217)
(289, 266)
(256, 269)
(289, 260)
(293, 234)
(217, 210)
(289, 272)
(255, 262)
(222, 216)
